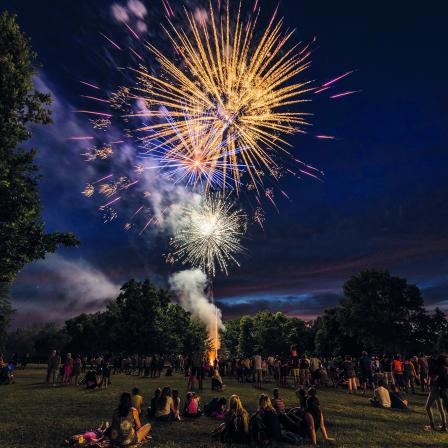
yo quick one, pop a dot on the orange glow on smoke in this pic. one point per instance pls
(216, 343)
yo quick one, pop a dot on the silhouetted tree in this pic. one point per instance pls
(22, 235)
(380, 311)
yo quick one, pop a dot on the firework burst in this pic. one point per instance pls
(209, 234)
(198, 159)
(231, 85)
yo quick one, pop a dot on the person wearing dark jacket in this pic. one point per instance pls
(442, 379)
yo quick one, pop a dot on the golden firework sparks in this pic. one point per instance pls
(210, 234)
(231, 84)
(88, 190)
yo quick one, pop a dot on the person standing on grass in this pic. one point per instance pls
(295, 363)
(409, 375)
(277, 368)
(423, 371)
(25, 359)
(350, 374)
(160, 366)
(397, 369)
(68, 369)
(434, 397)
(54, 364)
(314, 369)
(76, 369)
(196, 368)
(258, 371)
(442, 380)
(386, 367)
(365, 372)
(304, 371)
(264, 368)
(49, 365)
(154, 364)
(284, 371)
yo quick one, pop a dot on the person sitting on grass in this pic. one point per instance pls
(165, 406)
(278, 402)
(126, 428)
(216, 408)
(314, 418)
(288, 418)
(381, 397)
(302, 396)
(396, 400)
(191, 408)
(264, 424)
(91, 380)
(137, 400)
(220, 411)
(236, 425)
(154, 402)
(217, 383)
(176, 405)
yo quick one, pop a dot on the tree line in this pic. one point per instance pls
(142, 319)
(378, 312)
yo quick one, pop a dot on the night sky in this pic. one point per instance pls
(382, 203)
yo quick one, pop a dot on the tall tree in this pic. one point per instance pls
(380, 311)
(331, 336)
(22, 235)
(229, 337)
(246, 338)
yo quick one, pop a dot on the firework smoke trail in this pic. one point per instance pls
(209, 236)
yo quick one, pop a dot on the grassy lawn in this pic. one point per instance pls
(35, 415)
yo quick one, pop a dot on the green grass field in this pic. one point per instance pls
(35, 415)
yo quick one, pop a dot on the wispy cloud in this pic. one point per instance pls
(58, 288)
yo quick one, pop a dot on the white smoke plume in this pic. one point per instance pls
(190, 286)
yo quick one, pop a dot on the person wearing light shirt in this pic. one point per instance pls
(381, 397)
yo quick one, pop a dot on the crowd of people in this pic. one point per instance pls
(272, 421)
(93, 372)
(388, 380)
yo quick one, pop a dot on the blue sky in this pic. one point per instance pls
(382, 204)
